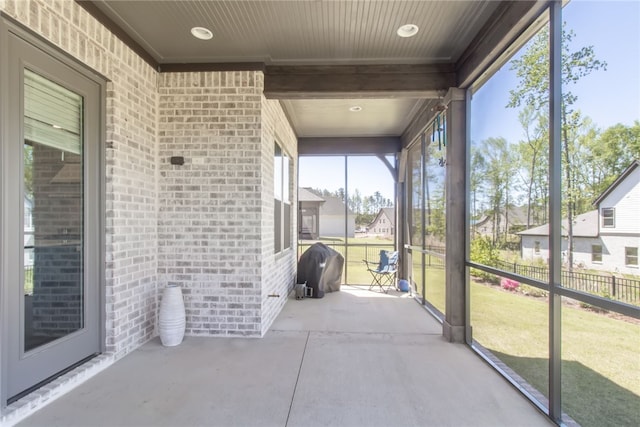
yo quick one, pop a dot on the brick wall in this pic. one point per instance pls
(131, 152)
(210, 225)
(57, 219)
(206, 225)
(278, 270)
(210, 207)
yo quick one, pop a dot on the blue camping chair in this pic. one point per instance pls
(384, 271)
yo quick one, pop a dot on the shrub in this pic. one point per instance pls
(532, 291)
(483, 252)
(509, 284)
(604, 293)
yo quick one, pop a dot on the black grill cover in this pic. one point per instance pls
(321, 268)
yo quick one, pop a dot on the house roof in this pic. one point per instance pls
(389, 213)
(615, 183)
(517, 216)
(584, 225)
(306, 195)
(333, 206)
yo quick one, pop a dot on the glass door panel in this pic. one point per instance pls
(53, 213)
(371, 221)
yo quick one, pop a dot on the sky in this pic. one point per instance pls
(607, 97)
(366, 173)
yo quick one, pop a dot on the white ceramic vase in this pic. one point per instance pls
(171, 321)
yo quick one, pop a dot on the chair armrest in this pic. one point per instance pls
(369, 263)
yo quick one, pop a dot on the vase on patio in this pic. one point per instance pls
(171, 320)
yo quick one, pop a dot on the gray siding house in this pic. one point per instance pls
(384, 224)
(606, 238)
(323, 216)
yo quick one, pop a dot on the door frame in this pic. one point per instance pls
(11, 28)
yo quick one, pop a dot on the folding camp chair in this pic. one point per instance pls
(383, 272)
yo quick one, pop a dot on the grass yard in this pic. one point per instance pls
(600, 353)
(358, 250)
(601, 361)
(435, 284)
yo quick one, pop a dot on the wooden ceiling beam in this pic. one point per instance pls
(358, 81)
(510, 20)
(324, 146)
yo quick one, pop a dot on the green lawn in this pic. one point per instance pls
(601, 354)
(601, 361)
(358, 250)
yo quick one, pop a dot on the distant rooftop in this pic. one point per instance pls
(585, 225)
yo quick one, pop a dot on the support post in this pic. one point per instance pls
(555, 210)
(456, 321)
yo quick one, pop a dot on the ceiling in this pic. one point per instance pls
(310, 33)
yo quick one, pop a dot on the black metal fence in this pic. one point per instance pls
(356, 251)
(434, 256)
(609, 286)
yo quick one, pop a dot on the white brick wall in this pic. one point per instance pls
(207, 225)
(131, 122)
(211, 207)
(278, 271)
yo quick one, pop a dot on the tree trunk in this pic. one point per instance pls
(531, 180)
(570, 197)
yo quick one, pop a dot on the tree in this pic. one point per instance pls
(28, 170)
(498, 176)
(355, 202)
(611, 152)
(436, 226)
(478, 167)
(532, 70)
(533, 154)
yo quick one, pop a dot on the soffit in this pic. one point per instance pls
(301, 32)
(377, 117)
(310, 33)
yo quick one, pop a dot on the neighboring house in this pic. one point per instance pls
(332, 213)
(308, 214)
(322, 216)
(606, 238)
(383, 224)
(517, 217)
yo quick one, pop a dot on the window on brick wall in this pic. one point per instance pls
(282, 199)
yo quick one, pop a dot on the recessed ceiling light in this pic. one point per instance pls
(355, 108)
(201, 33)
(408, 30)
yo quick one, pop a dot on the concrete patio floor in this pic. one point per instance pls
(353, 358)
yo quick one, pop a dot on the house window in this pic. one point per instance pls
(596, 253)
(282, 199)
(536, 247)
(608, 217)
(631, 256)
